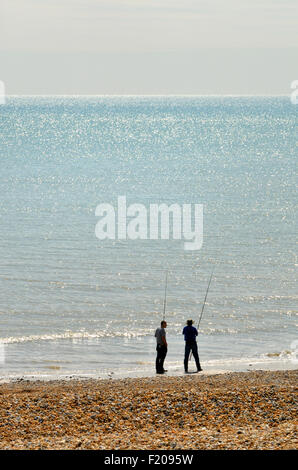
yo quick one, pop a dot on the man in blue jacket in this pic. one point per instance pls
(190, 333)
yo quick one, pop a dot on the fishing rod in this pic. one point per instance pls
(165, 298)
(205, 299)
(204, 304)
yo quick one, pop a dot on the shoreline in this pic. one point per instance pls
(172, 371)
(229, 410)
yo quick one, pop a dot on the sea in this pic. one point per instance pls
(74, 305)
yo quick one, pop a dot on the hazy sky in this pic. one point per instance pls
(148, 46)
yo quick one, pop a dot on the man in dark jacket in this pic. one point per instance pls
(161, 347)
(190, 333)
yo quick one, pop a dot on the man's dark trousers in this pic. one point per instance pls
(191, 346)
(160, 358)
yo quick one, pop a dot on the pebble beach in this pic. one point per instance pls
(240, 410)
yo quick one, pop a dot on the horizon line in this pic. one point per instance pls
(150, 95)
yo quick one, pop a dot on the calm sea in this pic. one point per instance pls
(72, 304)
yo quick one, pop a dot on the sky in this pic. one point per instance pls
(148, 46)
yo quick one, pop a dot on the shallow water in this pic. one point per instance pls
(70, 303)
